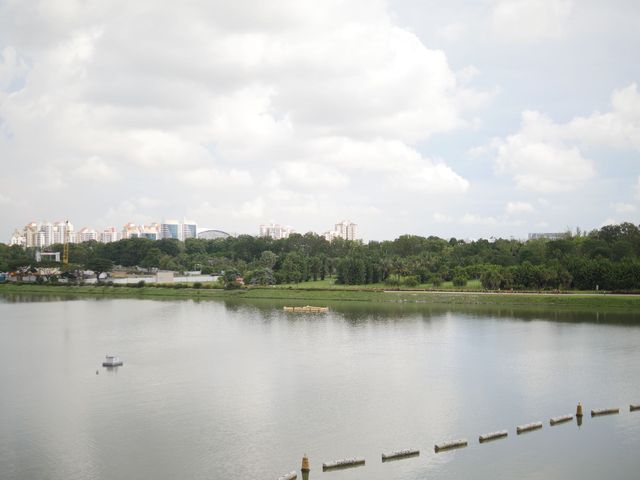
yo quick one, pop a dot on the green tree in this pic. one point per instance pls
(293, 269)
(99, 266)
(268, 259)
(230, 280)
(351, 271)
(491, 278)
(460, 277)
(152, 259)
(262, 276)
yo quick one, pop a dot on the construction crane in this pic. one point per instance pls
(65, 244)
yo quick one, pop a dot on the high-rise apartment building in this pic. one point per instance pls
(345, 229)
(86, 234)
(45, 234)
(275, 231)
(42, 235)
(31, 234)
(189, 230)
(170, 229)
(18, 238)
(60, 232)
(108, 235)
(151, 232)
(130, 230)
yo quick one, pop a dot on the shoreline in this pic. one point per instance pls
(565, 299)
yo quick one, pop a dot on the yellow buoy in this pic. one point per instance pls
(305, 464)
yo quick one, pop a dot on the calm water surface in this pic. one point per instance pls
(216, 390)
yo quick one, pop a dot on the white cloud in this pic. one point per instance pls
(478, 151)
(515, 208)
(314, 176)
(545, 156)
(530, 20)
(216, 179)
(467, 74)
(473, 219)
(399, 166)
(451, 32)
(609, 221)
(96, 170)
(252, 208)
(442, 218)
(4, 200)
(623, 207)
(290, 95)
(125, 211)
(637, 188)
(542, 167)
(619, 128)
(430, 178)
(148, 202)
(11, 68)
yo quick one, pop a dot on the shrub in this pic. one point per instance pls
(141, 283)
(460, 281)
(391, 282)
(197, 284)
(412, 281)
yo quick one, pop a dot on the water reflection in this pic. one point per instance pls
(215, 389)
(358, 312)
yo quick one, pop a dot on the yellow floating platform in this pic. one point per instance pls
(306, 309)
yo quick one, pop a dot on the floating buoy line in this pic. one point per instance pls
(449, 445)
(306, 309)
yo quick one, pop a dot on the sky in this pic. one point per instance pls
(467, 119)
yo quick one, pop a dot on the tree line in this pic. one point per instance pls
(607, 258)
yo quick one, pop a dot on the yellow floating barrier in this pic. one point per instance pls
(493, 436)
(528, 427)
(345, 463)
(441, 447)
(559, 420)
(306, 309)
(605, 411)
(399, 454)
(289, 476)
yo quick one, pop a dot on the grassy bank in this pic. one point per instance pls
(317, 296)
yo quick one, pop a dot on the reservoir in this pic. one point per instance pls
(242, 390)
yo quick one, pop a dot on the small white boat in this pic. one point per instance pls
(112, 361)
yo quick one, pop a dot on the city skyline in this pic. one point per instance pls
(464, 119)
(44, 234)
